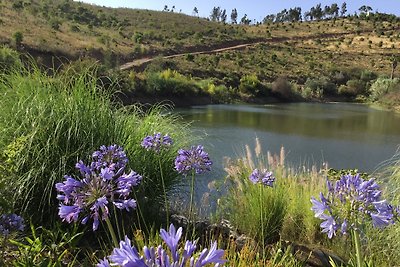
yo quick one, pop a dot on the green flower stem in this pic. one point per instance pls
(165, 192)
(262, 222)
(357, 245)
(191, 213)
(111, 230)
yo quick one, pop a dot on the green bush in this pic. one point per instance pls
(170, 82)
(353, 88)
(218, 93)
(57, 121)
(286, 207)
(9, 60)
(322, 84)
(367, 75)
(18, 38)
(250, 84)
(383, 86)
(245, 202)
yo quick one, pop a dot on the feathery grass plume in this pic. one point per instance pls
(62, 119)
(286, 213)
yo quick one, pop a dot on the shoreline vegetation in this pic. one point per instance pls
(89, 162)
(36, 146)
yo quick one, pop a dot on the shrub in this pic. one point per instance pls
(18, 38)
(170, 82)
(367, 75)
(250, 84)
(55, 24)
(353, 88)
(383, 86)
(282, 87)
(57, 121)
(9, 60)
(218, 93)
(322, 84)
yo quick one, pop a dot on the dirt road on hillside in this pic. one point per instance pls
(142, 62)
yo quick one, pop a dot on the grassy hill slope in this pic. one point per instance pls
(335, 56)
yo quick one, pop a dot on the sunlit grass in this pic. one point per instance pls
(49, 123)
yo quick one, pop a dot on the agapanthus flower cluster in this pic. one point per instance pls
(11, 223)
(194, 159)
(102, 182)
(126, 255)
(157, 142)
(351, 202)
(264, 177)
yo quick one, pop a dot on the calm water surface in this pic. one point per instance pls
(344, 135)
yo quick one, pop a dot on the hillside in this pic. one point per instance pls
(74, 28)
(168, 53)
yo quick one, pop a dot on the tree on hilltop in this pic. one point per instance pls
(223, 16)
(216, 14)
(245, 20)
(343, 9)
(195, 11)
(365, 9)
(234, 16)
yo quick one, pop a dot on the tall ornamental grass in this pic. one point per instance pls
(49, 123)
(286, 207)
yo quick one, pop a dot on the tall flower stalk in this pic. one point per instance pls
(194, 161)
(262, 178)
(351, 203)
(101, 184)
(157, 143)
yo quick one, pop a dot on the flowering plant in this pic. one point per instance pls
(10, 223)
(264, 177)
(102, 182)
(157, 142)
(193, 159)
(352, 202)
(126, 255)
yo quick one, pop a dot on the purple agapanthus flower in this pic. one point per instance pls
(194, 159)
(264, 177)
(351, 201)
(113, 157)
(11, 223)
(102, 183)
(157, 142)
(126, 255)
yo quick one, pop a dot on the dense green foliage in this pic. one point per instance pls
(49, 123)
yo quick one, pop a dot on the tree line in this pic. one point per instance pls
(295, 14)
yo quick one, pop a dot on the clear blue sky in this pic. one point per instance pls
(255, 9)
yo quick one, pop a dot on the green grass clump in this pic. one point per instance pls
(383, 244)
(285, 207)
(49, 123)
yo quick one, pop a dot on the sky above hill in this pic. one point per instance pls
(255, 9)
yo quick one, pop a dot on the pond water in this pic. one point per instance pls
(342, 134)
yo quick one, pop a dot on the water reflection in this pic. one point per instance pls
(345, 135)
